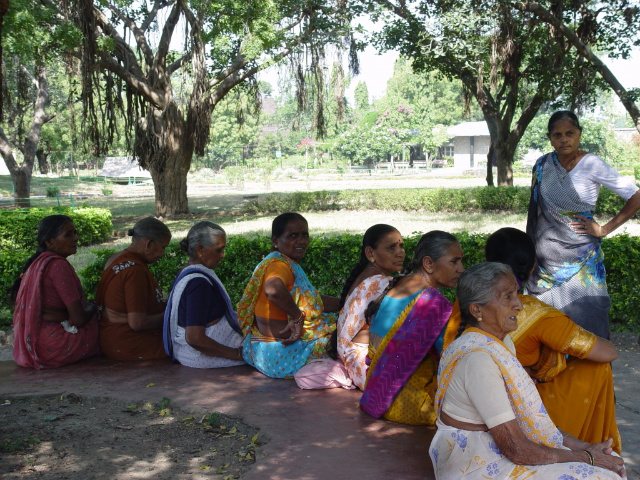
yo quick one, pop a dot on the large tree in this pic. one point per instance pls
(509, 60)
(34, 39)
(175, 60)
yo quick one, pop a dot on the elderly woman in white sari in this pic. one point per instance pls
(492, 423)
(200, 325)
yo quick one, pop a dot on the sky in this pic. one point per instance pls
(376, 69)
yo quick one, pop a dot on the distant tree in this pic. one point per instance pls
(361, 97)
(508, 60)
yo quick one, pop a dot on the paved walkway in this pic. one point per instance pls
(314, 435)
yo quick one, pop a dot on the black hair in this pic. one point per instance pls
(371, 238)
(563, 115)
(48, 228)
(433, 244)
(279, 224)
(512, 247)
(151, 228)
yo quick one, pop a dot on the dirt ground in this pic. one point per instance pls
(66, 436)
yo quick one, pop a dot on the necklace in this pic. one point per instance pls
(569, 167)
(424, 275)
(376, 267)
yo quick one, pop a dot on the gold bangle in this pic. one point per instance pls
(591, 459)
(299, 320)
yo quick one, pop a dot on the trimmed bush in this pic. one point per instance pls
(479, 199)
(18, 228)
(329, 261)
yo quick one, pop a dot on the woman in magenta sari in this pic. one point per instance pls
(53, 324)
(408, 326)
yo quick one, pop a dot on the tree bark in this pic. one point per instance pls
(43, 165)
(21, 174)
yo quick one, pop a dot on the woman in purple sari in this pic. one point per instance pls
(408, 326)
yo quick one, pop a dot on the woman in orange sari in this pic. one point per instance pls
(571, 365)
(130, 302)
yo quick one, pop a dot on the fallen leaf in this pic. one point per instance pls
(164, 412)
(228, 477)
(133, 406)
(254, 438)
(223, 427)
(213, 449)
(248, 456)
(205, 467)
(188, 424)
(188, 418)
(150, 385)
(233, 430)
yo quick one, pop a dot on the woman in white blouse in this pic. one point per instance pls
(492, 423)
(569, 273)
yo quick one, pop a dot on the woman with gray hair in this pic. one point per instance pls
(200, 325)
(491, 420)
(407, 333)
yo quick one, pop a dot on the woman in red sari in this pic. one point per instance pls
(53, 324)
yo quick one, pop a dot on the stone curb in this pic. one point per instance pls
(6, 338)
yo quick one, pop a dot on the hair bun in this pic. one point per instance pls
(184, 245)
(130, 232)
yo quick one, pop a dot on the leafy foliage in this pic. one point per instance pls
(329, 261)
(18, 228)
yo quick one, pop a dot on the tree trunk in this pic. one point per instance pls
(20, 174)
(164, 146)
(490, 155)
(43, 165)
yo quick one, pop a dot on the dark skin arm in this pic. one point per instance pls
(195, 336)
(331, 304)
(77, 314)
(586, 226)
(520, 450)
(277, 293)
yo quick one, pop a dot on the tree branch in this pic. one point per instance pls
(585, 51)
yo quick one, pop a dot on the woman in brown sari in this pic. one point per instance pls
(130, 302)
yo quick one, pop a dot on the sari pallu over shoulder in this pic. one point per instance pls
(527, 406)
(268, 354)
(171, 312)
(401, 355)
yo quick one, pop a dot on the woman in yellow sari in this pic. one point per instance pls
(407, 331)
(570, 365)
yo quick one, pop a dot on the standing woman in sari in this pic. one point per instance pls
(283, 317)
(53, 324)
(200, 325)
(382, 254)
(407, 332)
(571, 366)
(570, 272)
(130, 302)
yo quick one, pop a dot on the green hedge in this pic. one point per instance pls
(18, 228)
(479, 199)
(329, 261)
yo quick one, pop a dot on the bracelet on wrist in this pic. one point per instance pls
(592, 460)
(299, 320)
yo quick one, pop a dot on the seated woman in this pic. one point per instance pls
(571, 365)
(382, 253)
(282, 315)
(200, 326)
(130, 302)
(407, 332)
(53, 325)
(491, 420)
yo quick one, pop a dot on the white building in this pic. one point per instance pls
(470, 141)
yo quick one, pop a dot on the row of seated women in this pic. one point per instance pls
(524, 392)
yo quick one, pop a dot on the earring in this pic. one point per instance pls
(479, 319)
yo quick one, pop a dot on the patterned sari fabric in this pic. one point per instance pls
(401, 380)
(351, 321)
(569, 272)
(463, 454)
(39, 344)
(226, 332)
(268, 354)
(578, 394)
